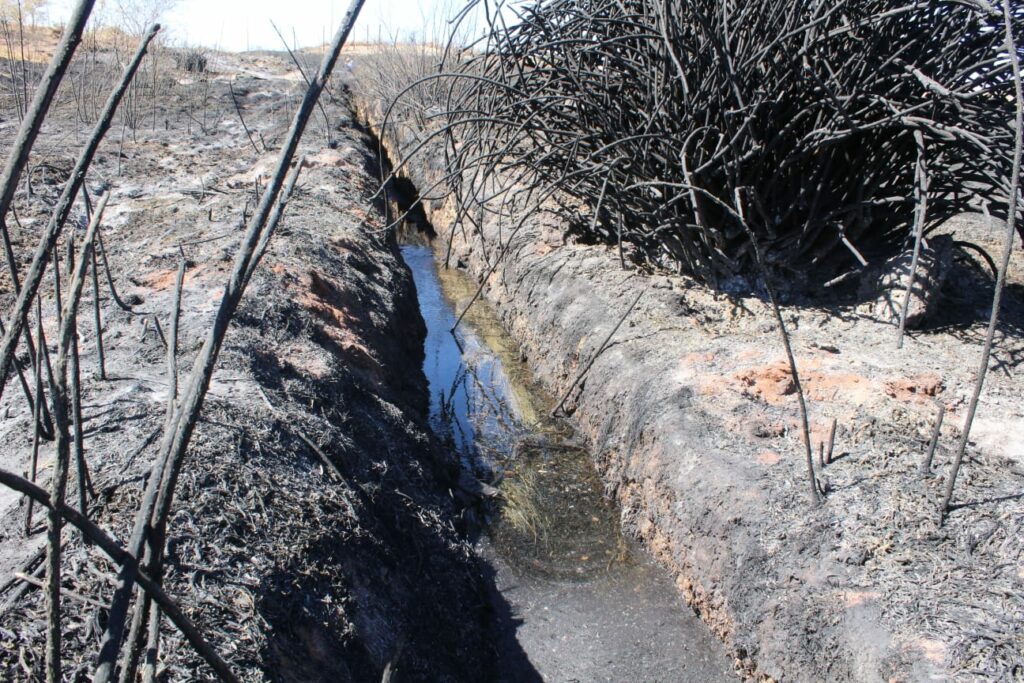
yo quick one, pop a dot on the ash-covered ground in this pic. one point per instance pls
(299, 562)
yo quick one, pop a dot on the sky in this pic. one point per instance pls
(245, 24)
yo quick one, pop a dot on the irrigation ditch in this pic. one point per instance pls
(573, 598)
(684, 401)
(404, 459)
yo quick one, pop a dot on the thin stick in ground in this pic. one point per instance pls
(97, 318)
(135, 640)
(926, 464)
(172, 341)
(831, 441)
(106, 269)
(144, 609)
(33, 465)
(804, 422)
(159, 490)
(29, 344)
(997, 298)
(152, 646)
(47, 424)
(920, 214)
(101, 247)
(238, 110)
(82, 470)
(600, 350)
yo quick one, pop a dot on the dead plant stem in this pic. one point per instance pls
(997, 298)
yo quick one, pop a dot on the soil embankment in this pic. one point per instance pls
(691, 414)
(312, 537)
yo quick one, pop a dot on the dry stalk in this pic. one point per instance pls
(58, 478)
(172, 346)
(831, 441)
(85, 487)
(29, 344)
(106, 269)
(152, 646)
(159, 491)
(47, 424)
(145, 611)
(63, 209)
(997, 298)
(921, 214)
(926, 464)
(134, 642)
(38, 371)
(238, 110)
(97, 317)
(784, 335)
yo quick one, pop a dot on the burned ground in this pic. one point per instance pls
(313, 536)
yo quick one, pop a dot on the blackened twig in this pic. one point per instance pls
(997, 298)
(920, 215)
(804, 422)
(926, 464)
(597, 354)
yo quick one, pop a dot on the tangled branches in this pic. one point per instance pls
(685, 127)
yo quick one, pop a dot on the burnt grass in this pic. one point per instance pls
(313, 536)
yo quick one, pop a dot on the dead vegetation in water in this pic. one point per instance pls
(518, 503)
(554, 520)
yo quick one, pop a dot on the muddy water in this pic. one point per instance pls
(575, 601)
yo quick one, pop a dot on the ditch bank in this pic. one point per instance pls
(313, 535)
(691, 414)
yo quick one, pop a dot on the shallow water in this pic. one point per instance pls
(574, 599)
(552, 517)
(471, 400)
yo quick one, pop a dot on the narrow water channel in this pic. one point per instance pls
(579, 602)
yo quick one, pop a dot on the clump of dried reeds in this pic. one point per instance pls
(656, 116)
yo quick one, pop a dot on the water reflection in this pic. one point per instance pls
(472, 403)
(553, 519)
